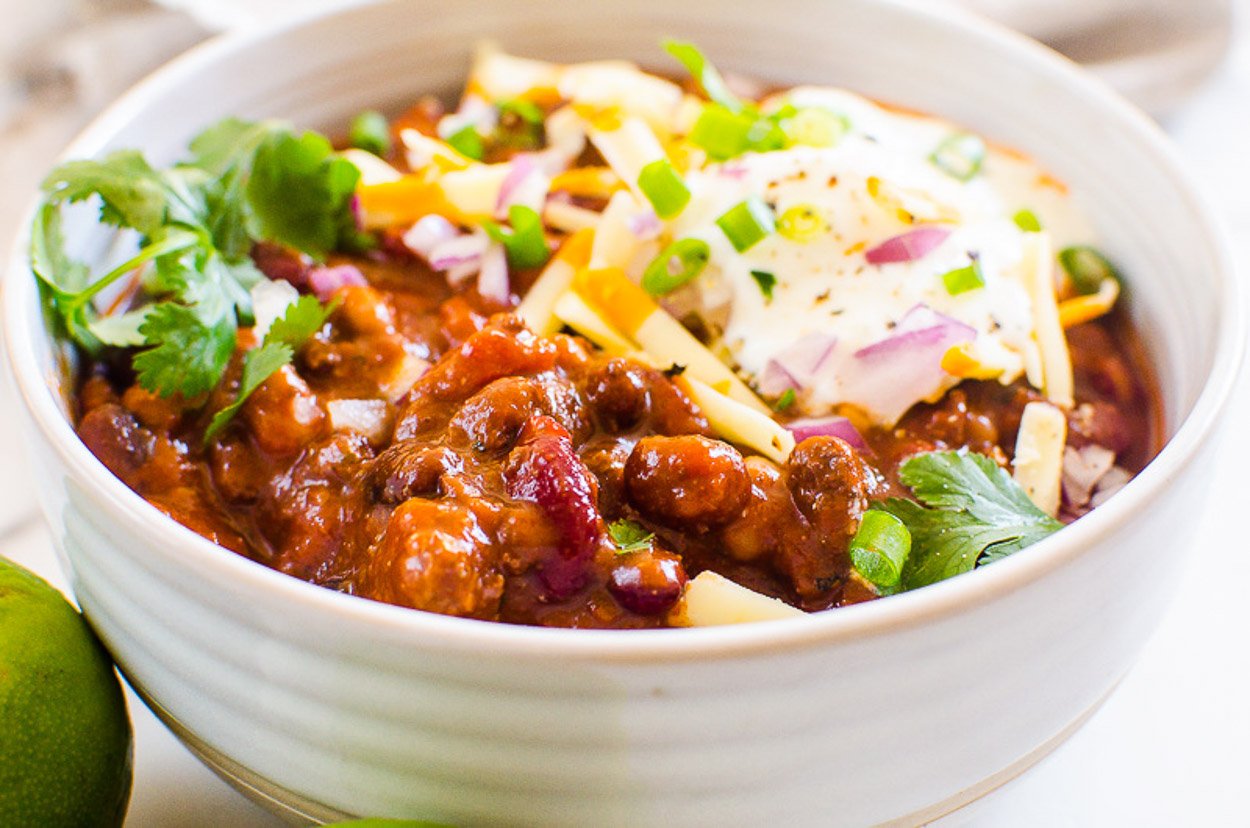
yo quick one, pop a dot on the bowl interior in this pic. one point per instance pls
(1181, 290)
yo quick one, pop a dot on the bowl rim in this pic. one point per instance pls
(857, 622)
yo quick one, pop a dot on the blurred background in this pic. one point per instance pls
(1169, 748)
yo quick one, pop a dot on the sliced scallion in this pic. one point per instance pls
(371, 133)
(704, 73)
(963, 279)
(960, 156)
(880, 548)
(801, 223)
(747, 223)
(785, 400)
(720, 133)
(527, 111)
(467, 142)
(664, 188)
(677, 264)
(525, 243)
(1087, 268)
(1027, 221)
(814, 126)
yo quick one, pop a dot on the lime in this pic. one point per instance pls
(65, 741)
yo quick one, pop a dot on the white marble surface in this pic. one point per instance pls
(1170, 747)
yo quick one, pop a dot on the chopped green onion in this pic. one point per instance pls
(960, 156)
(704, 73)
(527, 111)
(814, 126)
(679, 263)
(722, 134)
(468, 143)
(766, 281)
(766, 135)
(880, 548)
(525, 244)
(1087, 268)
(963, 279)
(629, 536)
(664, 188)
(1027, 221)
(747, 223)
(371, 133)
(801, 223)
(785, 400)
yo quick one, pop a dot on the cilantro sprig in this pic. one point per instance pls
(195, 224)
(629, 536)
(302, 319)
(970, 513)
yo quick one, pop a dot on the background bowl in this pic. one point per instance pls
(903, 709)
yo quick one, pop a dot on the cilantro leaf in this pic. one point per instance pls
(970, 512)
(767, 281)
(259, 364)
(286, 335)
(629, 536)
(300, 192)
(188, 353)
(132, 194)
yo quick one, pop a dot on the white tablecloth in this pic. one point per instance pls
(1172, 745)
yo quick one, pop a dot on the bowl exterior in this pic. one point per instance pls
(894, 710)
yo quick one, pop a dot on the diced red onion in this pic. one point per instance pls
(645, 225)
(1083, 469)
(325, 281)
(891, 375)
(428, 233)
(797, 366)
(734, 171)
(908, 247)
(921, 328)
(358, 212)
(831, 426)
(474, 111)
(492, 280)
(458, 251)
(525, 184)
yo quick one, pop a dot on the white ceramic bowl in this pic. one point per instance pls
(898, 709)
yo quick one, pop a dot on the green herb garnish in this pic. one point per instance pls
(525, 242)
(747, 223)
(767, 281)
(1027, 221)
(963, 279)
(196, 223)
(705, 74)
(1087, 268)
(664, 188)
(371, 132)
(970, 512)
(468, 142)
(629, 536)
(786, 400)
(286, 335)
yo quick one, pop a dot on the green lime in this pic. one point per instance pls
(65, 741)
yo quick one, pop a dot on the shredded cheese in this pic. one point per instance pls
(1038, 464)
(713, 600)
(739, 423)
(1085, 308)
(538, 307)
(1056, 363)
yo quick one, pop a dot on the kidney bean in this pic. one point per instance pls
(114, 435)
(544, 468)
(284, 414)
(492, 418)
(687, 481)
(647, 582)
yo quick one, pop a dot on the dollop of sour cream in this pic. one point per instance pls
(829, 302)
